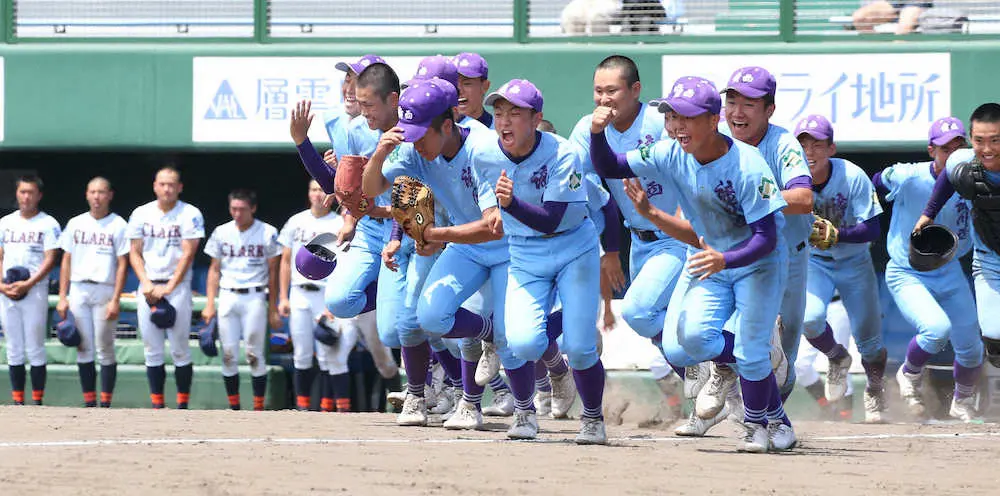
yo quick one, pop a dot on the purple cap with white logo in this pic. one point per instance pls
(519, 92)
(690, 96)
(437, 66)
(944, 130)
(419, 104)
(752, 82)
(360, 65)
(816, 126)
(472, 65)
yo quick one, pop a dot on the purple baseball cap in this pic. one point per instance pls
(419, 104)
(944, 130)
(816, 126)
(752, 82)
(472, 65)
(437, 66)
(520, 92)
(361, 64)
(690, 96)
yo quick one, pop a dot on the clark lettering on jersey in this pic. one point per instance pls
(231, 250)
(89, 238)
(157, 231)
(32, 237)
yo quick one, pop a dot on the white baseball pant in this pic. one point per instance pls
(24, 325)
(307, 306)
(88, 303)
(242, 315)
(155, 338)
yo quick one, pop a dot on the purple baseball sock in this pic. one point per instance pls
(756, 396)
(553, 326)
(916, 357)
(452, 366)
(471, 392)
(775, 406)
(542, 382)
(875, 370)
(470, 325)
(416, 360)
(590, 385)
(522, 386)
(371, 294)
(497, 383)
(680, 371)
(726, 356)
(554, 360)
(965, 380)
(826, 344)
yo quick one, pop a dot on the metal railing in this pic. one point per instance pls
(517, 20)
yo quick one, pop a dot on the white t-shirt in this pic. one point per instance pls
(95, 245)
(161, 234)
(25, 241)
(243, 255)
(301, 228)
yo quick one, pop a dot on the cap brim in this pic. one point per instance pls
(343, 66)
(413, 132)
(682, 107)
(746, 91)
(471, 73)
(517, 102)
(945, 138)
(815, 134)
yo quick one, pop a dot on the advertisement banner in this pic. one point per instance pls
(867, 96)
(250, 99)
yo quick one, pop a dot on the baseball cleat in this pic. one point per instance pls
(592, 432)
(563, 395)
(781, 437)
(734, 403)
(963, 409)
(466, 417)
(503, 404)
(697, 427)
(90, 404)
(396, 400)
(489, 364)
(837, 376)
(414, 412)
(695, 378)
(712, 398)
(909, 389)
(543, 403)
(525, 425)
(874, 406)
(446, 401)
(755, 439)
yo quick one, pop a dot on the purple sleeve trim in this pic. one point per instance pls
(864, 232)
(941, 194)
(316, 167)
(397, 231)
(879, 185)
(543, 219)
(799, 182)
(612, 233)
(761, 242)
(606, 162)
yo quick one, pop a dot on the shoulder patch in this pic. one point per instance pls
(394, 156)
(767, 188)
(575, 181)
(792, 158)
(645, 151)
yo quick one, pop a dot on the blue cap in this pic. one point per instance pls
(519, 92)
(163, 314)
(361, 64)
(419, 104)
(690, 96)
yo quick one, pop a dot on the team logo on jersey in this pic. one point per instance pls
(645, 151)
(874, 197)
(962, 219)
(833, 209)
(653, 189)
(767, 188)
(199, 223)
(394, 156)
(540, 178)
(575, 180)
(467, 177)
(792, 158)
(648, 140)
(28, 237)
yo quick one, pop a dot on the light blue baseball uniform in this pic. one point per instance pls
(337, 124)
(655, 264)
(847, 199)
(785, 157)
(460, 270)
(470, 122)
(564, 262)
(721, 199)
(938, 303)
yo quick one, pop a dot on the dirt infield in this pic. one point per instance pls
(76, 451)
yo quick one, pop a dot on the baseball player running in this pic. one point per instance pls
(94, 264)
(473, 86)
(243, 275)
(939, 302)
(164, 236)
(729, 195)
(29, 243)
(847, 221)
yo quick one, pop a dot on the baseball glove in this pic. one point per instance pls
(347, 185)
(412, 206)
(824, 234)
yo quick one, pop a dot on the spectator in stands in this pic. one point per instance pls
(589, 16)
(906, 15)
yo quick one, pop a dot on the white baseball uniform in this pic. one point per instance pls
(24, 243)
(243, 287)
(161, 234)
(94, 246)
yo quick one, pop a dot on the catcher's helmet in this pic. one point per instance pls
(207, 336)
(316, 259)
(67, 332)
(932, 247)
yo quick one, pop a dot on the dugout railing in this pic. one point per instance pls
(521, 21)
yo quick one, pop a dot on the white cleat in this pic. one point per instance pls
(489, 364)
(779, 362)
(503, 404)
(909, 389)
(874, 406)
(446, 401)
(712, 398)
(734, 403)
(592, 432)
(543, 403)
(466, 417)
(695, 378)
(755, 439)
(396, 400)
(414, 412)
(781, 437)
(563, 395)
(697, 427)
(525, 425)
(837, 377)
(963, 409)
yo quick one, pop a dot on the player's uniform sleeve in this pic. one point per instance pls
(894, 178)
(759, 194)
(956, 159)
(285, 236)
(66, 238)
(566, 182)
(485, 189)
(212, 245)
(194, 225)
(580, 139)
(864, 199)
(273, 248)
(402, 162)
(792, 159)
(653, 161)
(121, 241)
(51, 234)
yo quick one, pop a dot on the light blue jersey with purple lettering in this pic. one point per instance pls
(336, 124)
(362, 140)
(847, 199)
